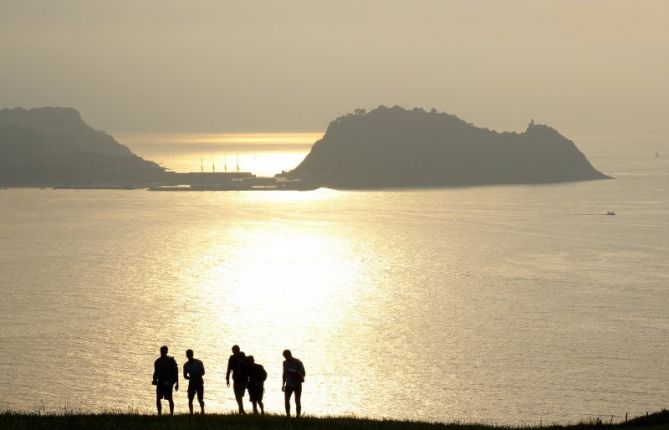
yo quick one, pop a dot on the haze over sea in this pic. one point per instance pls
(509, 304)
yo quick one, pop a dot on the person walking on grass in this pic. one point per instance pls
(293, 377)
(238, 367)
(193, 373)
(256, 387)
(165, 376)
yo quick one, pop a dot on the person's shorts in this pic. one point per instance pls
(290, 390)
(195, 388)
(164, 391)
(239, 388)
(256, 393)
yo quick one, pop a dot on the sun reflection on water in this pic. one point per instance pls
(269, 286)
(402, 304)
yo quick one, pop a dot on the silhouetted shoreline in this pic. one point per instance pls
(387, 148)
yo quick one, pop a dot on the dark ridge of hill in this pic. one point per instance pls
(80, 421)
(395, 147)
(52, 146)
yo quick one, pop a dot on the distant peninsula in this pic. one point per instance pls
(384, 148)
(53, 146)
(397, 148)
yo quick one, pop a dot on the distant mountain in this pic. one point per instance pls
(52, 146)
(395, 147)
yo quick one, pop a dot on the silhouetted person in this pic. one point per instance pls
(193, 373)
(293, 377)
(238, 367)
(257, 377)
(165, 376)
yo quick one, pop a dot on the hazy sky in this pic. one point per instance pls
(583, 66)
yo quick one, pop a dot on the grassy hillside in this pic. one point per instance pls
(13, 421)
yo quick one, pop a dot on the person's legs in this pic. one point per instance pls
(255, 394)
(239, 389)
(200, 398)
(262, 407)
(286, 395)
(298, 402)
(158, 405)
(171, 402)
(191, 396)
(240, 404)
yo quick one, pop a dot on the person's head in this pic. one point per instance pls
(287, 354)
(241, 354)
(189, 354)
(235, 349)
(163, 351)
(250, 359)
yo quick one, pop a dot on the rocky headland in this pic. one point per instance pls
(53, 146)
(395, 148)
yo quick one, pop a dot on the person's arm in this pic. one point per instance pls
(175, 373)
(301, 369)
(283, 384)
(186, 377)
(155, 373)
(202, 369)
(227, 374)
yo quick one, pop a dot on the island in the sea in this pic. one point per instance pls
(53, 146)
(395, 148)
(385, 148)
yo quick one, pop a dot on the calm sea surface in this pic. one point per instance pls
(509, 304)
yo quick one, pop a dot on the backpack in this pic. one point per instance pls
(263, 374)
(301, 373)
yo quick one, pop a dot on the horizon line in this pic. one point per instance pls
(249, 138)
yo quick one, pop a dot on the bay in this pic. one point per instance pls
(504, 304)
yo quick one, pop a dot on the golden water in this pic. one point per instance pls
(513, 304)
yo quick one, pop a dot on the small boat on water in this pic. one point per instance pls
(610, 213)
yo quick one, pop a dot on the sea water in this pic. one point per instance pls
(503, 304)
